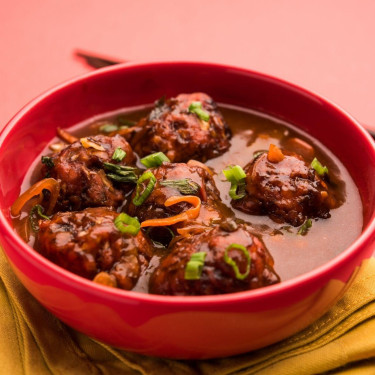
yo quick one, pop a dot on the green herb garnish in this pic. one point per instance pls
(127, 224)
(304, 228)
(48, 161)
(154, 160)
(185, 186)
(196, 107)
(120, 173)
(141, 197)
(122, 120)
(194, 266)
(320, 170)
(119, 154)
(37, 210)
(236, 176)
(233, 264)
(108, 128)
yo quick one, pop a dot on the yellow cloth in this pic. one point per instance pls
(35, 342)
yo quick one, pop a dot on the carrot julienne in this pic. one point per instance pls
(65, 136)
(37, 189)
(191, 213)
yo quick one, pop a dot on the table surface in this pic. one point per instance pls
(325, 46)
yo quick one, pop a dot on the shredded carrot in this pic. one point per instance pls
(192, 213)
(275, 155)
(37, 189)
(65, 136)
(87, 143)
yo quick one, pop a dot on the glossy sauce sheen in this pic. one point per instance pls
(293, 254)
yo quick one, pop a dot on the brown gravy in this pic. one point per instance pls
(252, 131)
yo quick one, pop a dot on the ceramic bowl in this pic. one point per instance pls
(183, 327)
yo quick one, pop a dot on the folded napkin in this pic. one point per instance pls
(34, 342)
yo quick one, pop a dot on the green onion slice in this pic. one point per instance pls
(194, 266)
(122, 120)
(236, 176)
(108, 128)
(196, 107)
(140, 198)
(185, 186)
(154, 160)
(37, 210)
(120, 173)
(233, 264)
(304, 228)
(127, 224)
(119, 154)
(320, 170)
(48, 161)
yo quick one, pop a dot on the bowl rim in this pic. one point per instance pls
(78, 282)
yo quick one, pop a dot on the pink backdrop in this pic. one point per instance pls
(325, 46)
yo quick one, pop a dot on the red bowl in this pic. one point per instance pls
(183, 327)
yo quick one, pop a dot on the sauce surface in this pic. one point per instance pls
(251, 132)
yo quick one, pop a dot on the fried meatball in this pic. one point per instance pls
(198, 178)
(180, 133)
(87, 243)
(286, 188)
(217, 276)
(83, 181)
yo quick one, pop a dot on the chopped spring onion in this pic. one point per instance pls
(140, 198)
(88, 143)
(123, 121)
(233, 264)
(320, 170)
(196, 107)
(185, 186)
(127, 224)
(120, 173)
(37, 210)
(194, 266)
(108, 128)
(236, 176)
(304, 228)
(119, 154)
(48, 161)
(154, 160)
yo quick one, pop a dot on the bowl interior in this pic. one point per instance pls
(28, 133)
(127, 86)
(132, 85)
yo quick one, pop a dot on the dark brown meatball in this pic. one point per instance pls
(88, 242)
(212, 208)
(80, 171)
(179, 133)
(288, 190)
(217, 275)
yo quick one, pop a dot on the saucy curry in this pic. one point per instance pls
(187, 198)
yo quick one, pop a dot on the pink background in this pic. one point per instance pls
(325, 46)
